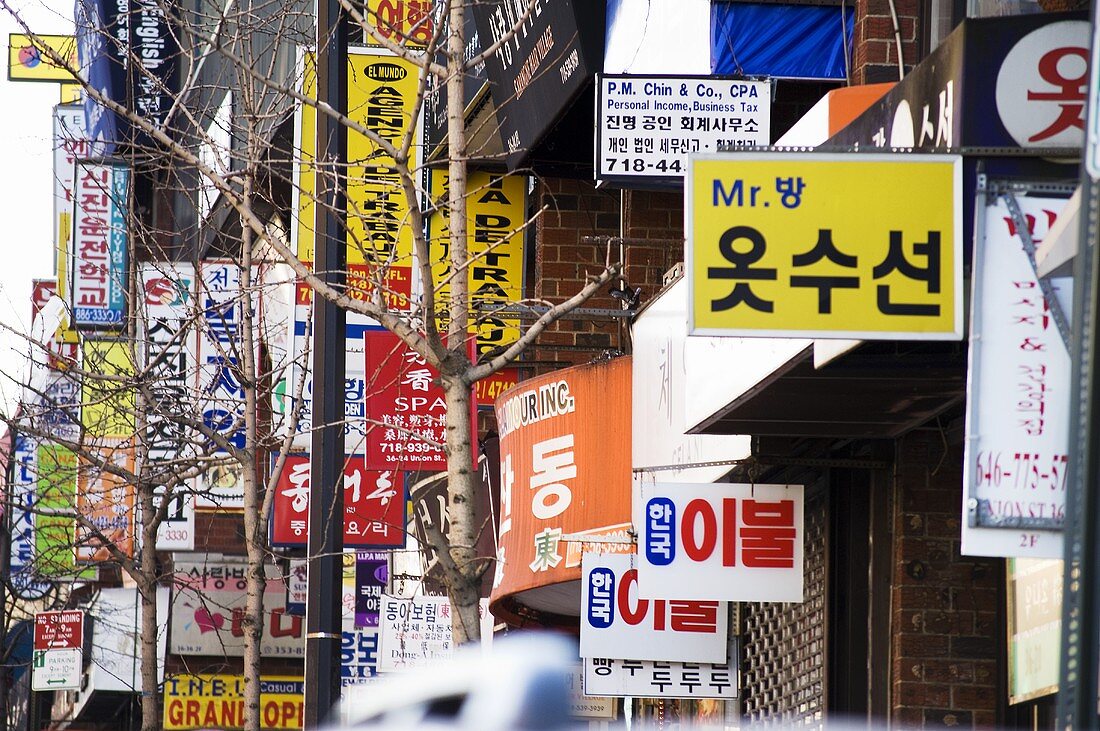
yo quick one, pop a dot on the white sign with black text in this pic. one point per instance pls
(651, 679)
(648, 125)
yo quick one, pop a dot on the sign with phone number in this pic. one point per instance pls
(648, 125)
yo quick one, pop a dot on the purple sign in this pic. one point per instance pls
(371, 576)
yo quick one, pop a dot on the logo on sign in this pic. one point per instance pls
(601, 598)
(660, 546)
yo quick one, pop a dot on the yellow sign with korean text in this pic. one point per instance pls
(406, 22)
(217, 701)
(107, 398)
(27, 61)
(825, 246)
(382, 93)
(496, 211)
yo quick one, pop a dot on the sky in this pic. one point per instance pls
(26, 190)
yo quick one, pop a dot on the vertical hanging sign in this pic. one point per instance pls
(100, 245)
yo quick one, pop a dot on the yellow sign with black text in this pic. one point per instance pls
(217, 701)
(382, 94)
(825, 246)
(496, 212)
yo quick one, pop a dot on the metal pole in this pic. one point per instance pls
(326, 503)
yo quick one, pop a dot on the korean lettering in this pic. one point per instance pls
(896, 261)
(764, 536)
(660, 544)
(601, 590)
(742, 271)
(790, 191)
(825, 284)
(1070, 94)
(679, 616)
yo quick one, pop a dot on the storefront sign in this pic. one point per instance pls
(773, 251)
(374, 505)
(54, 539)
(1018, 400)
(63, 351)
(371, 578)
(28, 61)
(416, 632)
(650, 679)
(407, 22)
(496, 212)
(384, 90)
(107, 501)
(1034, 627)
(108, 411)
(406, 407)
(22, 495)
(70, 143)
(617, 622)
(565, 470)
(100, 245)
(217, 701)
(725, 541)
(208, 603)
(647, 126)
(358, 655)
(537, 70)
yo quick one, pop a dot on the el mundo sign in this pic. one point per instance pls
(825, 246)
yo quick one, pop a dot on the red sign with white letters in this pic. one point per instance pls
(374, 505)
(731, 542)
(406, 407)
(59, 630)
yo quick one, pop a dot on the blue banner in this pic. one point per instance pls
(780, 41)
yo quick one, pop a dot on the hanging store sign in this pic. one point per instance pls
(1018, 400)
(1034, 627)
(22, 568)
(416, 632)
(731, 542)
(647, 126)
(208, 606)
(108, 402)
(70, 143)
(371, 578)
(358, 654)
(374, 505)
(217, 701)
(496, 212)
(29, 61)
(773, 251)
(107, 502)
(650, 679)
(100, 245)
(383, 89)
(617, 622)
(54, 535)
(62, 350)
(565, 471)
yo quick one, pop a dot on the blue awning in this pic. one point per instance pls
(784, 41)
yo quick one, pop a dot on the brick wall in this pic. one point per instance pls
(564, 259)
(944, 606)
(875, 48)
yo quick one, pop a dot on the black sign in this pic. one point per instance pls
(541, 68)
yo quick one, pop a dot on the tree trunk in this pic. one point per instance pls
(146, 575)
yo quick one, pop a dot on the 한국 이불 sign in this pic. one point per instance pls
(648, 125)
(825, 246)
(729, 542)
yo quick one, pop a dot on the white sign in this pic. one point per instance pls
(358, 654)
(617, 622)
(70, 143)
(100, 245)
(648, 679)
(584, 706)
(416, 632)
(1018, 401)
(56, 669)
(208, 603)
(731, 542)
(648, 125)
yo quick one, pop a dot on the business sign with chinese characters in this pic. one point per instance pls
(208, 604)
(383, 89)
(374, 505)
(496, 211)
(100, 245)
(565, 471)
(217, 701)
(774, 250)
(406, 407)
(647, 126)
(617, 622)
(1018, 400)
(727, 541)
(416, 632)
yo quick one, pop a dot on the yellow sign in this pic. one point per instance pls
(108, 401)
(825, 246)
(217, 701)
(70, 93)
(496, 209)
(382, 91)
(27, 61)
(407, 22)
